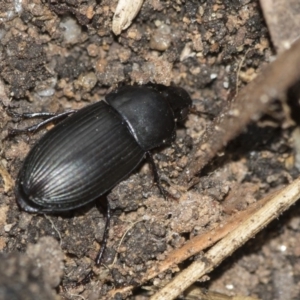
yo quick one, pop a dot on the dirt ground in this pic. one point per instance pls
(56, 56)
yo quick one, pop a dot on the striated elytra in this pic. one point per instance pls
(89, 152)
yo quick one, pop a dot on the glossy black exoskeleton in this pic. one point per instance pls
(89, 152)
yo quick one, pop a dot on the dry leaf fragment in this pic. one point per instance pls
(125, 12)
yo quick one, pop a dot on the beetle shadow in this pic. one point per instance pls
(249, 144)
(266, 137)
(293, 96)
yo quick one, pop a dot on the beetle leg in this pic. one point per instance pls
(50, 117)
(105, 236)
(91, 274)
(42, 115)
(157, 180)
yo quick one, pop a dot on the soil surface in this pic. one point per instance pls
(57, 56)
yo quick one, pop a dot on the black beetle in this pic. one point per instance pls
(89, 152)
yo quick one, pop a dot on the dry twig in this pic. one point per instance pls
(274, 206)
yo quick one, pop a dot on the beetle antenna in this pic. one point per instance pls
(47, 118)
(193, 110)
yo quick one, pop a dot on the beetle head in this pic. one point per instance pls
(178, 98)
